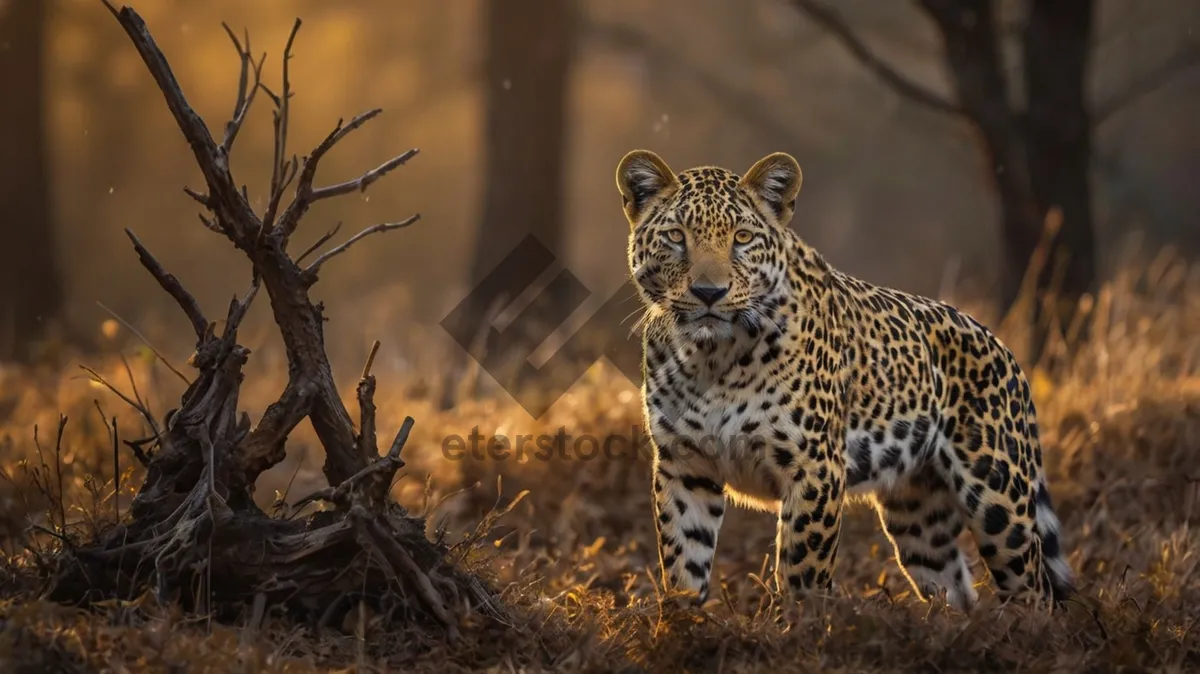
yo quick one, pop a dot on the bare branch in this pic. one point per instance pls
(319, 242)
(832, 21)
(246, 91)
(367, 444)
(173, 287)
(238, 309)
(267, 90)
(339, 132)
(379, 471)
(265, 445)
(304, 189)
(400, 440)
(364, 181)
(366, 440)
(208, 155)
(243, 75)
(310, 272)
(279, 169)
(1157, 78)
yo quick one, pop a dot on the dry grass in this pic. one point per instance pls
(575, 562)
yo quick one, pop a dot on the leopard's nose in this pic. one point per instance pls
(709, 294)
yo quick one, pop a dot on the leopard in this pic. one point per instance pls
(775, 382)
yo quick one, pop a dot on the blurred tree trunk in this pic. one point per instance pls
(972, 53)
(1039, 159)
(527, 63)
(528, 54)
(1058, 136)
(30, 288)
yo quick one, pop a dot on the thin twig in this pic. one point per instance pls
(836, 25)
(279, 169)
(311, 271)
(364, 181)
(243, 75)
(370, 359)
(319, 242)
(146, 342)
(202, 199)
(116, 447)
(132, 403)
(60, 536)
(304, 189)
(62, 506)
(287, 489)
(210, 224)
(137, 395)
(246, 92)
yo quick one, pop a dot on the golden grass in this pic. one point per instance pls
(575, 560)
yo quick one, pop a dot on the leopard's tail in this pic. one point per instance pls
(1062, 580)
(1046, 523)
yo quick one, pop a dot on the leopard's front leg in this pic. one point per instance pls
(811, 465)
(809, 527)
(689, 506)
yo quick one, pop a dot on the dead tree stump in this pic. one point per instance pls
(194, 533)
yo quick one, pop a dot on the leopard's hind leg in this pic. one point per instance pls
(923, 520)
(993, 463)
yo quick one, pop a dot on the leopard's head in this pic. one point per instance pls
(708, 248)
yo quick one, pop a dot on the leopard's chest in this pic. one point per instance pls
(728, 428)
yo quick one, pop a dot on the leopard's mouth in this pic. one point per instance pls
(704, 317)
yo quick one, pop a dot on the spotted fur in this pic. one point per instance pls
(774, 381)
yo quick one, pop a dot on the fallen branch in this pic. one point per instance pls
(194, 532)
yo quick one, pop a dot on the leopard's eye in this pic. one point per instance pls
(674, 235)
(743, 237)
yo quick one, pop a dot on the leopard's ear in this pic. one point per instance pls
(642, 177)
(775, 181)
